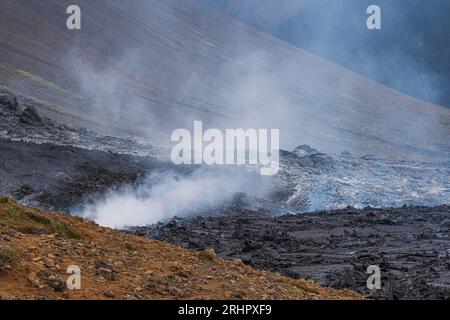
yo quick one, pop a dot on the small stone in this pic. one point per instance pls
(238, 262)
(11, 232)
(208, 254)
(34, 280)
(109, 294)
(50, 263)
(57, 285)
(106, 273)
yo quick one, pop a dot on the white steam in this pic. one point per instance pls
(227, 75)
(164, 195)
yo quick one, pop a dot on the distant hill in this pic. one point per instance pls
(148, 67)
(410, 52)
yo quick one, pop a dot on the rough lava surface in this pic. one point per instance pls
(275, 233)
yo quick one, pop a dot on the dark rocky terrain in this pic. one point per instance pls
(50, 165)
(144, 69)
(411, 245)
(57, 178)
(21, 119)
(37, 247)
(71, 162)
(47, 164)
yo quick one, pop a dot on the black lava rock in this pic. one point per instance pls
(31, 116)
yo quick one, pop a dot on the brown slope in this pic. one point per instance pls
(37, 247)
(176, 60)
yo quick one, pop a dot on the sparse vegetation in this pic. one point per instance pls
(65, 229)
(40, 81)
(117, 265)
(31, 221)
(7, 257)
(17, 75)
(129, 246)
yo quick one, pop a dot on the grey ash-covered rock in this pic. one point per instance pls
(317, 181)
(24, 123)
(54, 166)
(9, 102)
(12, 110)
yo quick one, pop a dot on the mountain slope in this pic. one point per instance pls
(147, 68)
(409, 53)
(37, 247)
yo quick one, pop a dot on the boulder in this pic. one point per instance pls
(305, 151)
(9, 102)
(446, 224)
(31, 116)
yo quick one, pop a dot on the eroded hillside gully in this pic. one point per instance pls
(284, 228)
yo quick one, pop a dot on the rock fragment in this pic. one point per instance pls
(31, 117)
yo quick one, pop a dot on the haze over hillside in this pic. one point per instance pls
(410, 52)
(148, 67)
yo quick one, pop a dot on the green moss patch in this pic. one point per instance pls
(31, 221)
(7, 257)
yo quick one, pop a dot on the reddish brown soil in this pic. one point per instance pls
(37, 247)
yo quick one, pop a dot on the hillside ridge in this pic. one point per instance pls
(37, 247)
(147, 70)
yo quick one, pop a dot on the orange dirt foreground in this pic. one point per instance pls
(36, 248)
